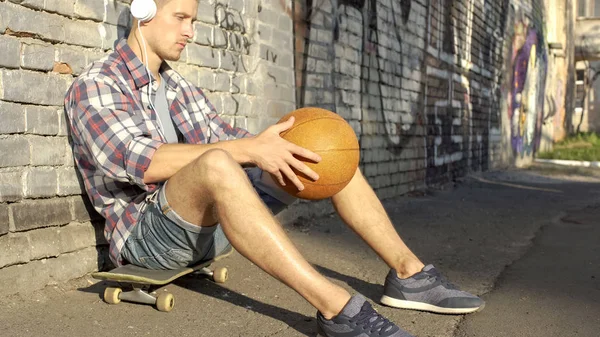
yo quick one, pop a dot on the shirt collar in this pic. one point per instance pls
(171, 76)
(138, 70)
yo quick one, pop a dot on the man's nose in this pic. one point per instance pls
(188, 30)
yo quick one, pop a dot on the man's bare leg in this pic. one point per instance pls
(358, 205)
(214, 188)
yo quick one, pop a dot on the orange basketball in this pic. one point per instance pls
(331, 137)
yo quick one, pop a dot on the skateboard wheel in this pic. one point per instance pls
(220, 275)
(111, 295)
(165, 302)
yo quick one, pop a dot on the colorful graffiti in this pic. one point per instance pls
(526, 99)
(362, 59)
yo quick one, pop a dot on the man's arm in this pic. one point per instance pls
(267, 150)
(170, 158)
(103, 121)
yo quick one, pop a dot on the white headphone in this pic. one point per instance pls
(143, 10)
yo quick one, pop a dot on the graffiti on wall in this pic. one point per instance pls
(526, 97)
(367, 82)
(231, 20)
(383, 83)
(234, 37)
(400, 120)
(461, 99)
(361, 58)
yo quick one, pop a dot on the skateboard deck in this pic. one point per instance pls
(133, 274)
(142, 279)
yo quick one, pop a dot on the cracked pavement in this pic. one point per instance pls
(527, 241)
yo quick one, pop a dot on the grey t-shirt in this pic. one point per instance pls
(162, 109)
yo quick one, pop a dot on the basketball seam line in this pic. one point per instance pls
(296, 125)
(316, 183)
(350, 149)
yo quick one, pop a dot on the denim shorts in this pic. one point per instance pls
(163, 240)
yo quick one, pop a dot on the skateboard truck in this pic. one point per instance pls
(165, 301)
(143, 280)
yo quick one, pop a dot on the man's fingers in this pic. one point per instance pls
(305, 153)
(279, 128)
(292, 176)
(301, 167)
(279, 177)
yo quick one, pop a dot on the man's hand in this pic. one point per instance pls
(277, 156)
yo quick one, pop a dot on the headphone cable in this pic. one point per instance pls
(146, 65)
(160, 126)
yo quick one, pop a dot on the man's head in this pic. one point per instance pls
(167, 32)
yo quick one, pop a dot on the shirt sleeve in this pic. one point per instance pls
(114, 134)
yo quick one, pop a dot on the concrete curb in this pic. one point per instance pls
(595, 164)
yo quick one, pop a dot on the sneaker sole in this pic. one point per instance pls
(403, 304)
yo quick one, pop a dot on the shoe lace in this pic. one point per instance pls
(370, 320)
(434, 275)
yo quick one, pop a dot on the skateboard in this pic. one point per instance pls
(143, 281)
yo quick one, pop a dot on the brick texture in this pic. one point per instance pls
(4, 219)
(9, 52)
(32, 214)
(15, 151)
(12, 117)
(14, 249)
(82, 210)
(60, 6)
(38, 274)
(40, 182)
(89, 9)
(42, 120)
(49, 151)
(51, 87)
(11, 186)
(423, 83)
(37, 57)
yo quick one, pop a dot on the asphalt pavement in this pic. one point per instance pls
(527, 241)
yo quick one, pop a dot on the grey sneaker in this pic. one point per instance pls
(358, 319)
(428, 290)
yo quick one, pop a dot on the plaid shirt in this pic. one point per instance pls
(115, 134)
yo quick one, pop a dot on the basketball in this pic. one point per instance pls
(331, 137)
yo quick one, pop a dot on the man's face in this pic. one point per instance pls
(171, 27)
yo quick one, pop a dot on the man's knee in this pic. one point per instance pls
(218, 167)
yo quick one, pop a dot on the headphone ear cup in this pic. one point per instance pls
(143, 10)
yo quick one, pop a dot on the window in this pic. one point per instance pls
(580, 90)
(581, 8)
(588, 8)
(580, 76)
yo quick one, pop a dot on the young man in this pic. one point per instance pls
(167, 174)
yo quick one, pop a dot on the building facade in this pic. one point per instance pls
(586, 115)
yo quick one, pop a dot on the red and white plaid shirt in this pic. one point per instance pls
(115, 134)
